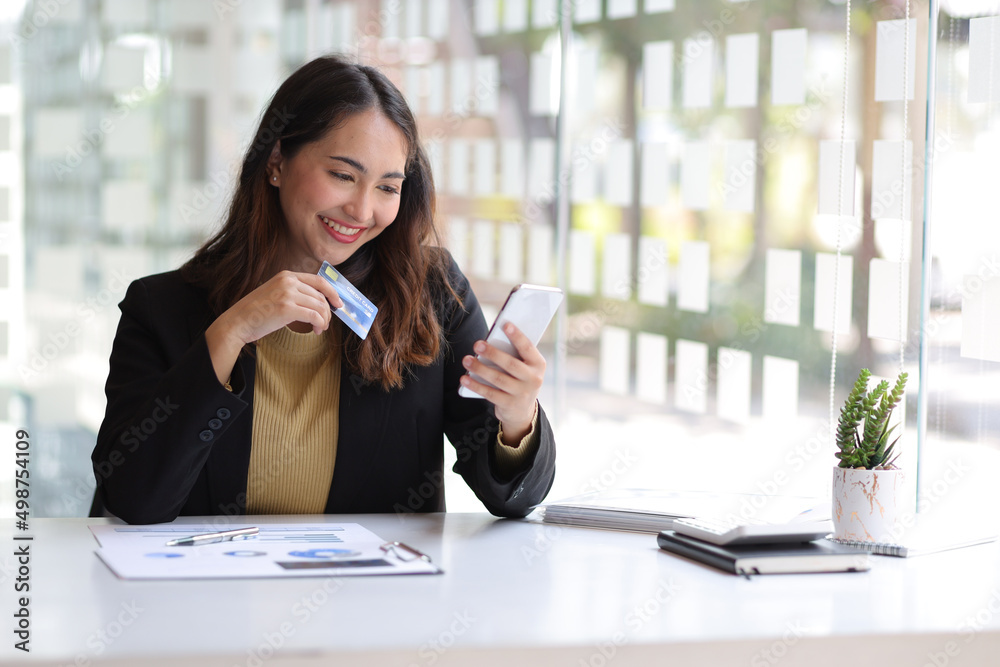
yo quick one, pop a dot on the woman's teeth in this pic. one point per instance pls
(340, 229)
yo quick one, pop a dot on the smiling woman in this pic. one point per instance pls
(279, 408)
(332, 200)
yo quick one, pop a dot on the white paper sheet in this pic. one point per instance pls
(185, 14)
(889, 234)
(133, 13)
(616, 281)
(654, 186)
(657, 75)
(60, 271)
(127, 205)
(486, 86)
(886, 301)
(733, 390)
(438, 19)
(618, 173)
(512, 168)
(540, 257)
(414, 18)
(462, 100)
(652, 271)
(345, 30)
(582, 271)
(487, 17)
(483, 249)
(279, 550)
(543, 95)
(740, 184)
(693, 277)
(981, 317)
(889, 59)
(583, 187)
(788, 66)
(391, 22)
(413, 76)
(511, 253)
(691, 376)
(781, 388)
(541, 170)
(118, 263)
(193, 70)
(696, 167)
(699, 59)
(654, 6)
(826, 267)
(741, 70)
(435, 89)
(435, 156)
(458, 241)
(544, 13)
(833, 180)
(515, 15)
(621, 9)
(59, 133)
(584, 90)
(984, 59)
(586, 11)
(484, 179)
(651, 368)
(122, 68)
(783, 286)
(892, 174)
(458, 167)
(614, 367)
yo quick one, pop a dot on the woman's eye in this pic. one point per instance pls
(389, 189)
(342, 177)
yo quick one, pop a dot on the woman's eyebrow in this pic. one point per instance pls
(364, 170)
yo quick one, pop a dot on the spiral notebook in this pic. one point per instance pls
(930, 535)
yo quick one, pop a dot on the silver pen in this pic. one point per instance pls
(210, 538)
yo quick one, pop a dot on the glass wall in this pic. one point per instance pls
(723, 194)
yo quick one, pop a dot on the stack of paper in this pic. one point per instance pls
(650, 511)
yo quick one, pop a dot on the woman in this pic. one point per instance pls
(232, 390)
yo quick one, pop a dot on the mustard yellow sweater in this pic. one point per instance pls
(295, 424)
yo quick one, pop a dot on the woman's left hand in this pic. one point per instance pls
(517, 382)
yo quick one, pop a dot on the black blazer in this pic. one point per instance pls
(176, 442)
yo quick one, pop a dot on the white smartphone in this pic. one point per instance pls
(727, 533)
(530, 308)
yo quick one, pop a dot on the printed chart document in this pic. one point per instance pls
(278, 550)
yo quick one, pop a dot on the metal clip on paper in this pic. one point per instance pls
(397, 549)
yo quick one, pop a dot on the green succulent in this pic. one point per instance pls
(863, 431)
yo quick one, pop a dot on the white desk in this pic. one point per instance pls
(513, 593)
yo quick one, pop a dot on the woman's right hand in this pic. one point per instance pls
(285, 299)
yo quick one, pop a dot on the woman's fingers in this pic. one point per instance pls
(517, 381)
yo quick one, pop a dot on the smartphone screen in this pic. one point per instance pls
(530, 308)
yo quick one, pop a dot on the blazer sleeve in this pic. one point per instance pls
(165, 408)
(472, 426)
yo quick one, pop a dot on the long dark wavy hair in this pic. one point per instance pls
(395, 269)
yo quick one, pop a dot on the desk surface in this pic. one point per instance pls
(513, 592)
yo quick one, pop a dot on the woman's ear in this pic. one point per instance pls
(274, 162)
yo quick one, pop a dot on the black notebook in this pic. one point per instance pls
(767, 558)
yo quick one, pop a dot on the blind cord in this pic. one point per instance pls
(840, 214)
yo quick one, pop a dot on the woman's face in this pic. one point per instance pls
(341, 191)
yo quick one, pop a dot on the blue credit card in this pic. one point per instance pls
(358, 312)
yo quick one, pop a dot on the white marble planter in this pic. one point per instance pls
(866, 504)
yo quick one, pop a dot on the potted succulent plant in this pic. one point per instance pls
(866, 482)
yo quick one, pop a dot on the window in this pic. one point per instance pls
(686, 171)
